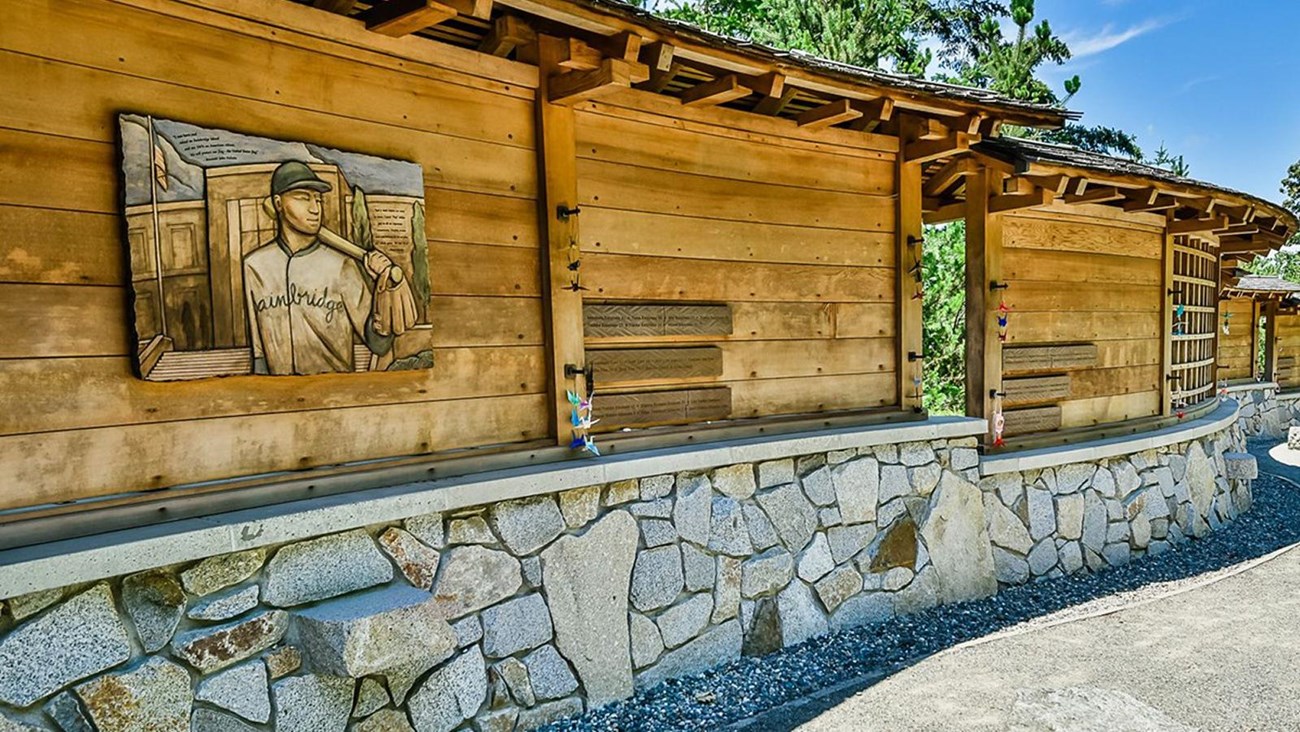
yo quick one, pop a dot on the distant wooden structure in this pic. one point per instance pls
(1247, 300)
(1108, 275)
(720, 239)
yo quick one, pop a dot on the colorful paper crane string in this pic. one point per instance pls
(582, 422)
(1004, 315)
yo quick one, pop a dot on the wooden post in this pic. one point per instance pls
(557, 170)
(983, 271)
(1270, 340)
(1167, 326)
(908, 256)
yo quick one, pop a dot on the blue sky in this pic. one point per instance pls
(1217, 81)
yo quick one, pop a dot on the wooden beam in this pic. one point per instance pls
(1238, 230)
(909, 233)
(625, 45)
(945, 213)
(950, 174)
(508, 33)
(774, 105)
(1156, 203)
(399, 18)
(1012, 201)
(771, 84)
(658, 56)
(983, 271)
(342, 7)
(997, 165)
(874, 114)
(1194, 226)
(577, 55)
(557, 168)
(575, 86)
(1057, 184)
(719, 91)
(659, 80)
(1243, 214)
(1098, 194)
(828, 115)
(923, 151)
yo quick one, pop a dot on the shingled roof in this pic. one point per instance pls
(1265, 284)
(1021, 150)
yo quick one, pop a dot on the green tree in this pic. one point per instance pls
(1291, 188)
(361, 233)
(868, 33)
(420, 260)
(943, 314)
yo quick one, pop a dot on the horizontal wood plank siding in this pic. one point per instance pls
(1087, 275)
(794, 231)
(1237, 346)
(86, 426)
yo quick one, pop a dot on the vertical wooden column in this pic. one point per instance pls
(1270, 340)
(909, 232)
(557, 171)
(983, 270)
(1167, 326)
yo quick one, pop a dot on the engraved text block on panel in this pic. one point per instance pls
(1031, 421)
(606, 320)
(1047, 358)
(661, 407)
(1036, 389)
(643, 364)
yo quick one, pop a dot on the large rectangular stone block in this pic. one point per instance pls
(374, 631)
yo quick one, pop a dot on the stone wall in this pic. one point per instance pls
(504, 617)
(1264, 411)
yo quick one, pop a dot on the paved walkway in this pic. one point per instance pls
(1220, 655)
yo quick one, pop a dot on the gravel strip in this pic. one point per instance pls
(830, 665)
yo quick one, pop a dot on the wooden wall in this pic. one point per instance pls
(1287, 332)
(76, 422)
(1236, 359)
(1090, 276)
(793, 231)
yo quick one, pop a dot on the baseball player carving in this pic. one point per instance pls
(311, 294)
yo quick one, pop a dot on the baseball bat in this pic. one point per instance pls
(336, 242)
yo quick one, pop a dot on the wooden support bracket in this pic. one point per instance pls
(950, 174)
(774, 105)
(719, 91)
(1013, 201)
(1096, 194)
(507, 34)
(403, 17)
(1194, 226)
(874, 114)
(923, 150)
(575, 86)
(828, 115)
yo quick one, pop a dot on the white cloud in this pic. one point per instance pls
(1083, 44)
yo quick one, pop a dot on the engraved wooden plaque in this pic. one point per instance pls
(606, 320)
(645, 364)
(662, 407)
(1049, 358)
(1036, 389)
(1031, 421)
